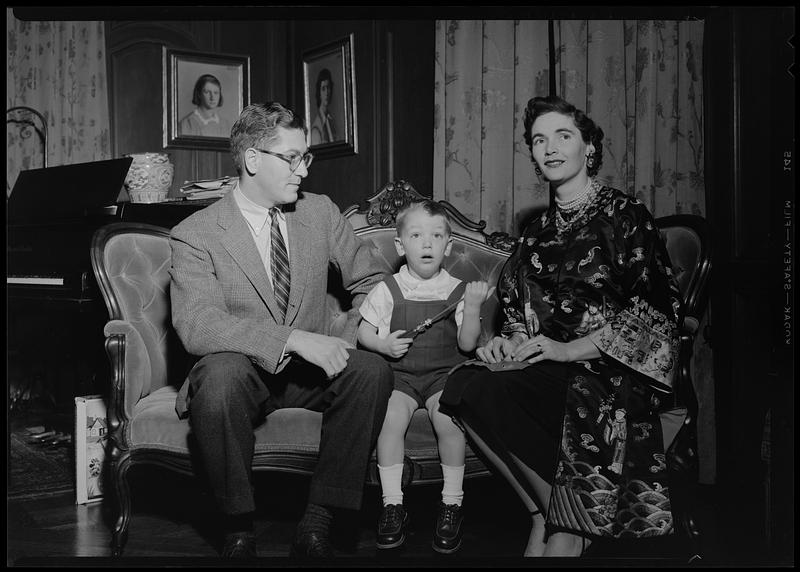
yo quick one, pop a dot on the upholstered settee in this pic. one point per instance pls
(131, 262)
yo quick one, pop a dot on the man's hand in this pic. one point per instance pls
(497, 349)
(327, 352)
(395, 346)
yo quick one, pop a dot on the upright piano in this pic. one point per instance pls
(56, 313)
(48, 256)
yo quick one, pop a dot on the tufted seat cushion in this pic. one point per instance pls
(152, 429)
(286, 430)
(288, 438)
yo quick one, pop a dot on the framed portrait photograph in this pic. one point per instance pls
(330, 102)
(203, 96)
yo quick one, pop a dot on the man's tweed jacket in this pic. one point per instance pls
(222, 299)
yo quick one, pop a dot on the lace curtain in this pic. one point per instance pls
(641, 81)
(59, 69)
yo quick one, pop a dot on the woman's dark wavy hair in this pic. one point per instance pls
(200, 84)
(590, 132)
(324, 74)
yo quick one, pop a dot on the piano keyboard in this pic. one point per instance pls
(36, 280)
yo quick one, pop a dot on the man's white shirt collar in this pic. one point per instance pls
(255, 215)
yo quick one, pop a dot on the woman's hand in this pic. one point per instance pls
(497, 349)
(541, 348)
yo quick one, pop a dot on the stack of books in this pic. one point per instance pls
(208, 188)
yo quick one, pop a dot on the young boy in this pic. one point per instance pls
(421, 290)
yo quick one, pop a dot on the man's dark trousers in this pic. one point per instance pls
(230, 397)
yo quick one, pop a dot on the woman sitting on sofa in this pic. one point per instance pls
(566, 402)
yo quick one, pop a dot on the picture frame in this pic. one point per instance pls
(336, 134)
(203, 95)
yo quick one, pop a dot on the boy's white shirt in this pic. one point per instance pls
(378, 305)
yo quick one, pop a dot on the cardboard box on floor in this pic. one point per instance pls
(91, 436)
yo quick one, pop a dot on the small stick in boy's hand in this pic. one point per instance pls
(425, 324)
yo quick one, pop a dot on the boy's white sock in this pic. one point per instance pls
(391, 483)
(452, 492)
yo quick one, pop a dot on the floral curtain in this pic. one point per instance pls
(640, 80)
(486, 71)
(58, 69)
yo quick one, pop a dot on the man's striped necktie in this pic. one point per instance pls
(280, 265)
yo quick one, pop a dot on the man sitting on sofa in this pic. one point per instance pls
(249, 281)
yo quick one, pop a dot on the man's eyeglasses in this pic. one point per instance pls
(293, 160)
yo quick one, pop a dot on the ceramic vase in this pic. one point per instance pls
(149, 177)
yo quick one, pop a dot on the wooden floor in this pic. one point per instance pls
(174, 517)
(174, 524)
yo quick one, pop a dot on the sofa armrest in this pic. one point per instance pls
(130, 364)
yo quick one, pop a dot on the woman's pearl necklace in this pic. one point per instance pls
(577, 200)
(577, 211)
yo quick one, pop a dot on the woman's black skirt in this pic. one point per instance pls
(519, 411)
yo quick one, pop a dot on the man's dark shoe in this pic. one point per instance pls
(392, 526)
(239, 545)
(311, 544)
(448, 533)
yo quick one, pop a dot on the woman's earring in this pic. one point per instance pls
(537, 169)
(590, 161)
